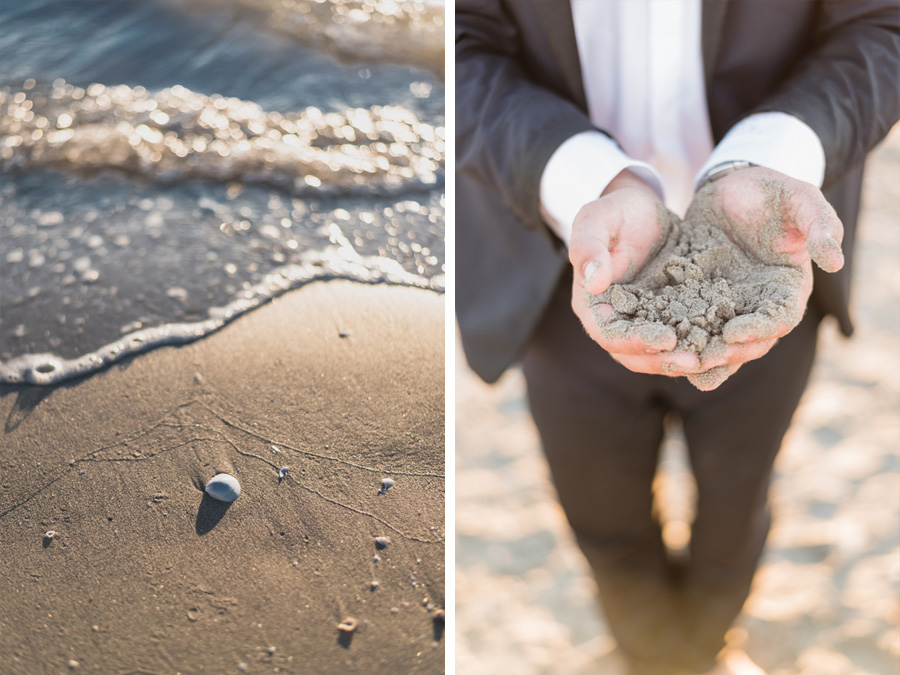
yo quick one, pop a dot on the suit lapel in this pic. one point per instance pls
(556, 20)
(712, 19)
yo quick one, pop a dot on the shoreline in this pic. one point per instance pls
(342, 383)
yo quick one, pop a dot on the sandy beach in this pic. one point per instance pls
(825, 601)
(340, 382)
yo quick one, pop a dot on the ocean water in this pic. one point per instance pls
(166, 165)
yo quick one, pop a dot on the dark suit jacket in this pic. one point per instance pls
(519, 94)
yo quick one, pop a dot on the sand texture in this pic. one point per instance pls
(703, 288)
(825, 601)
(342, 383)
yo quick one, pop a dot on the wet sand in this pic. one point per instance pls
(826, 599)
(342, 383)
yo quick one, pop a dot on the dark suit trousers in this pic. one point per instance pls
(601, 427)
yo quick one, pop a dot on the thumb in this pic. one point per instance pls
(824, 232)
(597, 272)
(590, 257)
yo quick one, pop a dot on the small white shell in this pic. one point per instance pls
(382, 542)
(348, 625)
(386, 484)
(223, 487)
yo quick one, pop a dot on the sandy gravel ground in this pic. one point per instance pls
(827, 598)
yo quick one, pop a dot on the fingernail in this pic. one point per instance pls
(589, 270)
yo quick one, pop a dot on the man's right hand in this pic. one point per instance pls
(613, 237)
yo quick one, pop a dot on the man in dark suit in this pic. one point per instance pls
(599, 404)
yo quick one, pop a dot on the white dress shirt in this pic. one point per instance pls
(642, 67)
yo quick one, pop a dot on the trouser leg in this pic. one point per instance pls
(602, 445)
(601, 428)
(733, 438)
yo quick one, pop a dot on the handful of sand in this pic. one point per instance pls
(707, 291)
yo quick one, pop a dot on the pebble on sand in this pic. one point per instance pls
(49, 534)
(382, 542)
(224, 487)
(386, 484)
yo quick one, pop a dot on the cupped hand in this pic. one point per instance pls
(613, 237)
(779, 221)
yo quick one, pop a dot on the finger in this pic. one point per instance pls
(713, 378)
(753, 328)
(670, 364)
(824, 232)
(738, 354)
(620, 336)
(825, 248)
(623, 337)
(591, 317)
(603, 311)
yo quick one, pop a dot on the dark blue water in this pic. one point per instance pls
(165, 166)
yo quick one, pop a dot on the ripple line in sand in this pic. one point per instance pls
(219, 437)
(309, 453)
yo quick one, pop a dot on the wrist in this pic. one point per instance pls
(721, 170)
(628, 179)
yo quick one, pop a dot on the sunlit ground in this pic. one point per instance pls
(827, 598)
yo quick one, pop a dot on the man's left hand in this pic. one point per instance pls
(778, 220)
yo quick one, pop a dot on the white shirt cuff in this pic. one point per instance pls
(774, 140)
(578, 172)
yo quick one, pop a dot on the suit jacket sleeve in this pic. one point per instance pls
(507, 125)
(846, 87)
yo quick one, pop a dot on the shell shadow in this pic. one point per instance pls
(209, 514)
(438, 627)
(345, 638)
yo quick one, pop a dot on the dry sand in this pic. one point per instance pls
(698, 282)
(827, 598)
(705, 291)
(146, 574)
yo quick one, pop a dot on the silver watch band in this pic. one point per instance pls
(723, 169)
